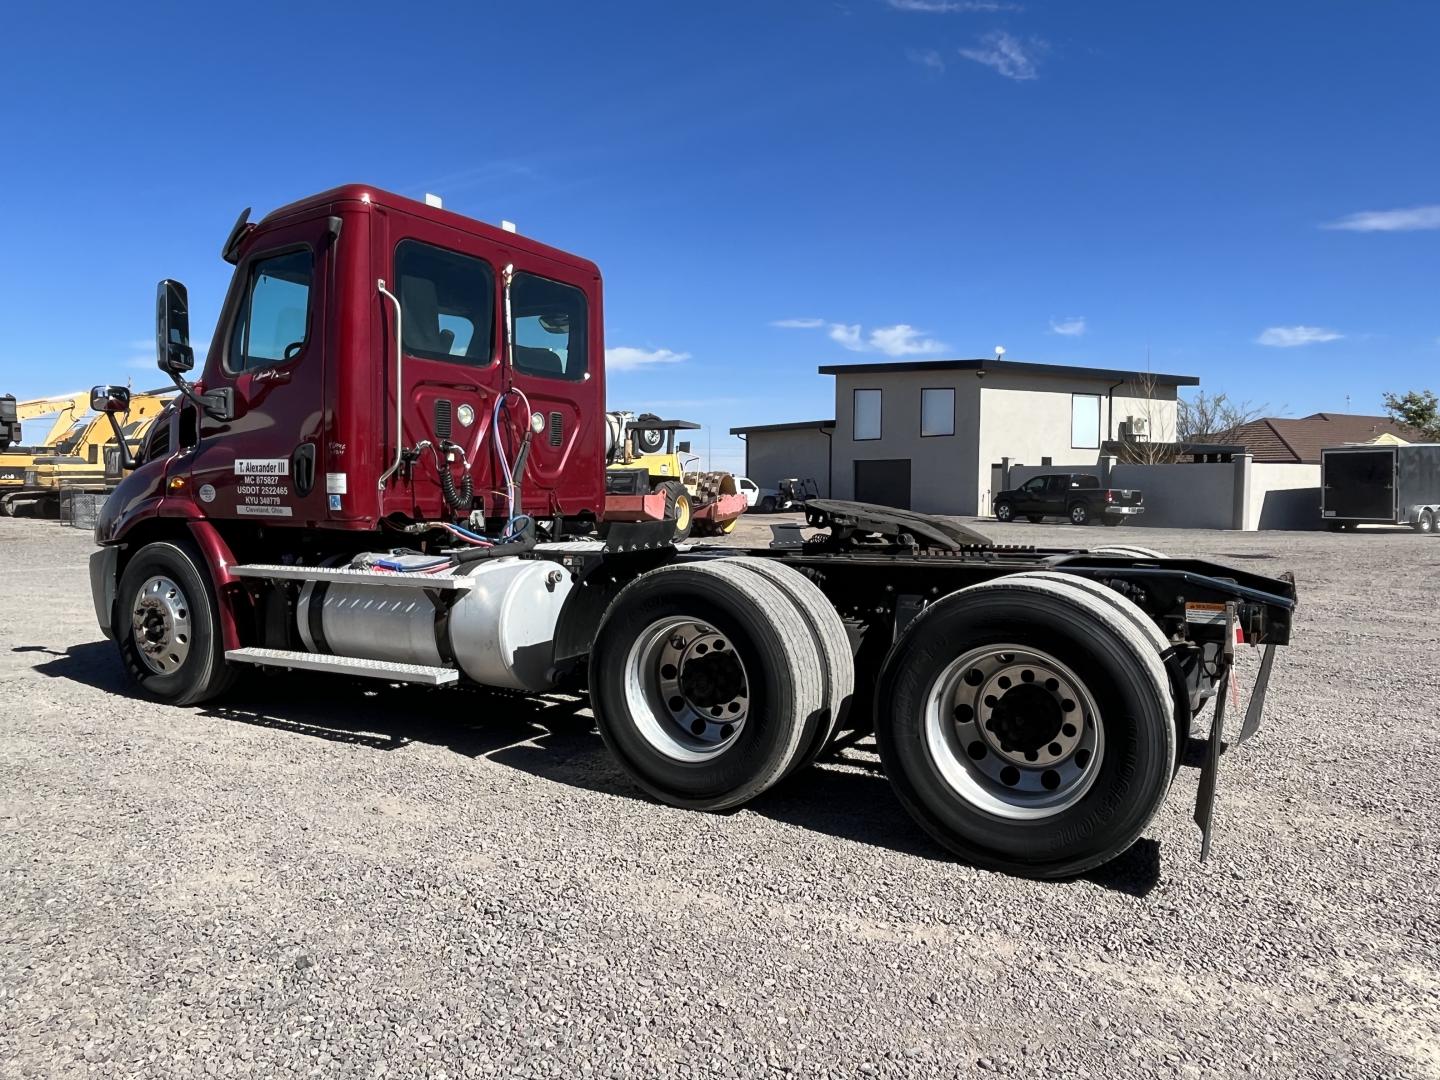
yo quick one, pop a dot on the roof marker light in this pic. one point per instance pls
(435, 201)
(508, 226)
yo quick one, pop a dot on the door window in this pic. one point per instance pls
(448, 303)
(550, 324)
(1034, 487)
(273, 325)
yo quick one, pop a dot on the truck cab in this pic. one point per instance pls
(360, 358)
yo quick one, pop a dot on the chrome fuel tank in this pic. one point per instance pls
(500, 632)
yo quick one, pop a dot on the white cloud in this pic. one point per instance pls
(799, 324)
(1008, 55)
(849, 336)
(1287, 337)
(626, 358)
(903, 340)
(951, 7)
(1073, 327)
(926, 58)
(1416, 217)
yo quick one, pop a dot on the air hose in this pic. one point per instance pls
(464, 498)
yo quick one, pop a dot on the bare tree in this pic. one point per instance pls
(1158, 447)
(1214, 418)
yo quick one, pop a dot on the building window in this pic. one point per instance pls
(867, 415)
(937, 412)
(1085, 421)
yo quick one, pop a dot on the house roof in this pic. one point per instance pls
(1284, 439)
(1017, 367)
(796, 425)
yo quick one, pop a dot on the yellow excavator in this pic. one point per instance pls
(75, 461)
(16, 458)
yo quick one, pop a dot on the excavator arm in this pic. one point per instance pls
(67, 407)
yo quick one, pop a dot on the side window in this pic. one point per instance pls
(1034, 486)
(550, 325)
(273, 325)
(158, 445)
(448, 303)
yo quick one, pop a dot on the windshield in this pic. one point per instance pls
(71, 438)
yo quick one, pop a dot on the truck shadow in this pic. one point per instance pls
(553, 737)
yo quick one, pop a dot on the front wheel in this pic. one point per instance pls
(1004, 512)
(167, 624)
(1079, 514)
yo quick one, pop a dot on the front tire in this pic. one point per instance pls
(1004, 512)
(167, 624)
(996, 766)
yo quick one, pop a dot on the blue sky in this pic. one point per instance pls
(1246, 192)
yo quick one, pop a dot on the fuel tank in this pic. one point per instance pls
(499, 633)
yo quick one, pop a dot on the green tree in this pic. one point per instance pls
(1418, 408)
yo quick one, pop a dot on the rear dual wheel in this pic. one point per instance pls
(1028, 726)
(712, 681)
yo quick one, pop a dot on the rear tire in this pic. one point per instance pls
(1112, 520)
(1077, 804)
(679, 508)
(833, 643)
(656, 712)
(1425, 523)
(167, 625)
(1079, 514)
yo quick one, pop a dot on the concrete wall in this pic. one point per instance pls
(1283, 496)
(943, 467)
(771, 456)
(1237, 495)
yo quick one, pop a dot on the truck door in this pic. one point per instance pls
(270, 349)
(556, 365)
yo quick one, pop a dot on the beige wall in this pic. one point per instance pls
(1283, 496)
(942, 468)
(771, 456)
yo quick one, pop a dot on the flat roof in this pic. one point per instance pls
(794, 425)
(1018, 367)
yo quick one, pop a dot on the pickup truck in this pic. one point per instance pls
(1076, 496)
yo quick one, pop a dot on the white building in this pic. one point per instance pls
(931, 435)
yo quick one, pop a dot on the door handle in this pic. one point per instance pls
(302, 468)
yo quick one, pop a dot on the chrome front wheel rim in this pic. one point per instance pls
(1014, 732)
(686, 689)
(160, 625)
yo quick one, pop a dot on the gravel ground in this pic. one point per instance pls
(318, 879)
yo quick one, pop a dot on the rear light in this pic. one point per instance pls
(1109, 496)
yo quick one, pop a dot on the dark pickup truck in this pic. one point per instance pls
(1076, 496)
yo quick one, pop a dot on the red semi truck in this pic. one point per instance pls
(393, 466)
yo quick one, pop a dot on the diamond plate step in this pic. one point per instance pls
(389, 670)
(277, 572)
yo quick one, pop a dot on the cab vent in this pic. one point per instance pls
(442, 419)
(557, 429)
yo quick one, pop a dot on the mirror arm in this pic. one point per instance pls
(216, 404)
(127, 462)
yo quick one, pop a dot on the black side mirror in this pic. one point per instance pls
(683, 447)
(172, 328)
(110, 399)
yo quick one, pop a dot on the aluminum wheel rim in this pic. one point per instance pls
(160, 625)
(1005, 741)
(1078, 515)
(1004, 513)
(686, 689)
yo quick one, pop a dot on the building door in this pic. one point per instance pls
(885, 482)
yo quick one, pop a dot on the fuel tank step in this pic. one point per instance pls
(388, 670)
(278, 572)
